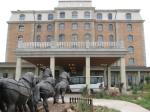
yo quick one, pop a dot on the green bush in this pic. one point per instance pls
(82, 106)
(85, 91)
(100, 94)
(135, 89)
(105, 109)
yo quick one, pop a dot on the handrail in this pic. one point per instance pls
(70, 45)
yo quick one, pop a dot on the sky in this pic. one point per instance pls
(6, 6)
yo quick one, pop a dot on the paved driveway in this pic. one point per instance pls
(123, 106)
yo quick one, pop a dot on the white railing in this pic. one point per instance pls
(70, 45)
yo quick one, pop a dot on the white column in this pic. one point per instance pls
(18, 68)
(88, 71)
(36, 71)
(52, 66)
(123, 75)
(139, 77)
(109, 77)
(105, 77)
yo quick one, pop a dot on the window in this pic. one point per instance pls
(39, 17)
(74, 26)
(99, 16)
(87, 26)
(74, 37)
(61, 38)
(111, 38)
(130, 38)
(21, 28)
(131, 49)
(38, 38)
(110, 16)
(38, 28)
(87, 15)
(49, 38)
(50, 16)
(100, 27)
(49, 27)
(20, 38)
(61, 26)
(22, 17)
(110, 27)
(62, 15)
(131, 61)
(74, 14)
(128, 16)
(129, 27)
(100, 41)
(87, 37)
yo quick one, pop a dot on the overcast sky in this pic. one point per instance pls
(6, 6)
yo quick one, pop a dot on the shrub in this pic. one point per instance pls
(100, 94)
(85, 91)
(82, 106)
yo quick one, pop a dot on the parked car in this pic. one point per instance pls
(78, 83)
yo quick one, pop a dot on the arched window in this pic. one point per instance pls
(39, 28)
(74, 37)
(39, 17)
(110, 16)
(131, 49)
(74, 14)
(21, 28)
(111, 38)
(20, 38)
(130, 38)
(100, 41)
(87, 37)
(129, 27)
(22, 17)
(62, 15)
(61, 26)
(49, 38)
(61, 38)
(87, 26)
(128, 16)
(131, 61)
(99, 16)
(50, 16)
(100, 27)
(110, 27)
(87, 15)
(49, 27)
(74, 26)
(38, 38)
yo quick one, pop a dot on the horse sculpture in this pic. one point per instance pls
(62, 86)
(15, 94)
(44, 89)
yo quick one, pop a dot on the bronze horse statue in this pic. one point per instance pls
(62, 86)
(44, 89)
(14, 95)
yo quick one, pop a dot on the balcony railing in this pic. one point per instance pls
(70, 45)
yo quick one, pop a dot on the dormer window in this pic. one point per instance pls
(87, 15)
(99, 16)
(62, 14)
(128, 16)
(110, 16)
(50, 16)
(39, 17)
(22, 17)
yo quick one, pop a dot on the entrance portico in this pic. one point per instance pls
(83, 58)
